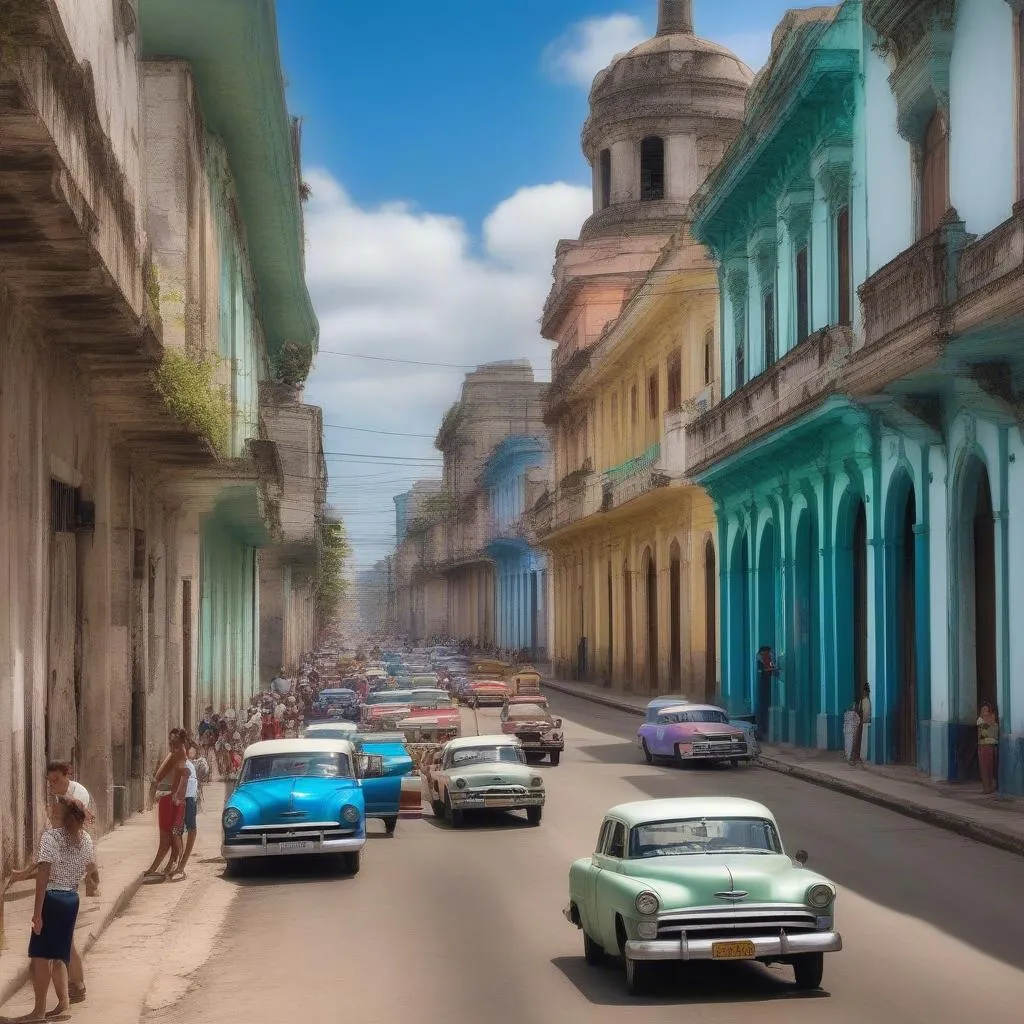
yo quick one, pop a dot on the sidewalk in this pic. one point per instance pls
(957, 807)
(122, 856)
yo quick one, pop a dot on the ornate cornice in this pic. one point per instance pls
(795, 207)
(832, 167)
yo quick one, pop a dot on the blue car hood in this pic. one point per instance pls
(292, 800)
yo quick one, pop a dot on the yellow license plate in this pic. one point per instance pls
(732, 951)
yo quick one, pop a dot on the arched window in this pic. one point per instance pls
(605, 178)
(652, 168)
(934, 174)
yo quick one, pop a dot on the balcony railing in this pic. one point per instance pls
(632, 478)
(570, 505)
(802, 378)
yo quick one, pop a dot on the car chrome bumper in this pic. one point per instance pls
(238, 851)
(764, 946)
(496, 803)
(543, 744)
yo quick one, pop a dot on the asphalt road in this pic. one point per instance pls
(466, 926)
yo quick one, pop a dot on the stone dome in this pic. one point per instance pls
(686, 94)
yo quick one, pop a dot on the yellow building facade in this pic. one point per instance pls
(631, 542)
(633, 312)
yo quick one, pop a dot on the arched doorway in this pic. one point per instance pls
(806, 625)
(652, 622)
(976, 581)
(860, 601)
(627, 583)
(902, 618)
(767, 615)
(675, 615)
(741, 655)
(710, 620)
(611, 625)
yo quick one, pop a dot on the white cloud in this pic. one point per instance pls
(400, 282)
(752, 48)
(590, 45)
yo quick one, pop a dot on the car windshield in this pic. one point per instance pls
(315, 765)
(704, 715)
(337, 697)
(339, 733)
(703, 835)
(527, 711)
(488, 755)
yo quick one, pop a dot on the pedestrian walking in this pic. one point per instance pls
(66, 856)
(988, 746)
(168, 789)
(189, 819)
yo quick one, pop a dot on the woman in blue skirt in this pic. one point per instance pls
(66, 856)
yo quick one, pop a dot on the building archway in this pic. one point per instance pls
(710, 620)
(902, 619)
(807, 630)
(767, 615)
(675, 616)
(851, 603)
(741, 654)
(651, 576)
(976, 579)
(627, 583)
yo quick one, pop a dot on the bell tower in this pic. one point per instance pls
(675, 17)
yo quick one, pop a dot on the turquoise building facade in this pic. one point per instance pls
(521, 603)
(862, 462)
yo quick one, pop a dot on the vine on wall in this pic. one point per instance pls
(191, 392)
(332, 588)
(293, 363)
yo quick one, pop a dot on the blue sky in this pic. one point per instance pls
(442, 144)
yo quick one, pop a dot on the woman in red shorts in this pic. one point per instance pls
(167, 789)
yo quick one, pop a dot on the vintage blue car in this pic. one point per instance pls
(298, 797)
(335, 704)
(397, 792)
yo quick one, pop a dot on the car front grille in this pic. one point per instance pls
(254, 835)
(762, 919)
(530, 737)
(720, 745)
(499, 791)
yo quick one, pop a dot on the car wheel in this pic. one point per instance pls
(639, 976)
(390, 824)
(556, 756)
(593, 952)
(808, 969)
(455, 818)
(350, 862)
(735, 762)
(534, 814)
(235, 867)
(648, 756)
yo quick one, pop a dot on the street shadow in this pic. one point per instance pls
(482, 821)
(614, 753)
(275, 871)
(685, 984)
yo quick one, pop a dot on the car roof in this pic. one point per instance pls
(641, 811)
(319, 727)
(483, 741)
(307, 745)
(666, 701)
(689, 707)
(384, 738)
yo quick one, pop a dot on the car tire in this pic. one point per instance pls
(534, 814)
(390, 824)
(556, 756)
(639, 976)
(455, 818)
(235, 867)
(808, 969)
(593, 952)
(735, 762)
(351, 862)
(648, 756)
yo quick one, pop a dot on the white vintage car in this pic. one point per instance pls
(476, 773)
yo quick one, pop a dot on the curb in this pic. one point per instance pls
(940, 819)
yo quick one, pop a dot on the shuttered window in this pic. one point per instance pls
(935, 174)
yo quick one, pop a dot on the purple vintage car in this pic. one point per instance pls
(693, 732)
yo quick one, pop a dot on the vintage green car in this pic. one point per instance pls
(701, 878)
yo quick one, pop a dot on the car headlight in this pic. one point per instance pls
(350, 813)
(536, 781)
(820, 896)
(231, 819)
(460, 783)
(647, 903)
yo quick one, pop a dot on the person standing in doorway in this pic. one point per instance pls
(863, 709)
(988, 746)
(766, 670)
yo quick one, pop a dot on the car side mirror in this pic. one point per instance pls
(371, 766)
(800, 857)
